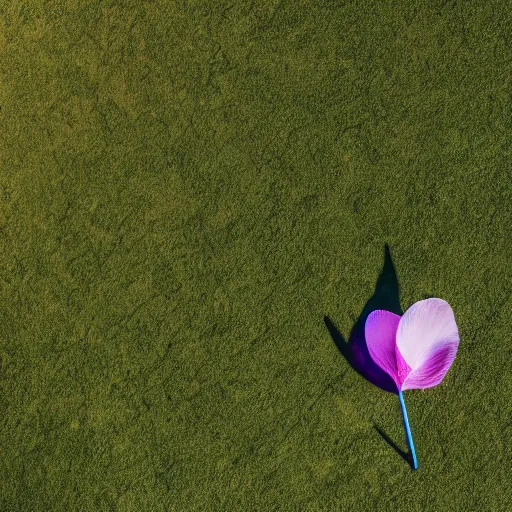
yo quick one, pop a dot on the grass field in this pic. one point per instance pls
(187, 189)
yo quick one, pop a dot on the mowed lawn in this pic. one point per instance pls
(187, 188)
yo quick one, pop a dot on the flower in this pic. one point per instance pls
(416, 349)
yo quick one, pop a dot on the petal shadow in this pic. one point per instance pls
(355, 351)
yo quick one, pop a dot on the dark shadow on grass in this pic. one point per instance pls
(355, 351)
(405, 455)
(385, 296)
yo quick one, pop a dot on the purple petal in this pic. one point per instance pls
(426, 325)
(380, 332)
(434, 368)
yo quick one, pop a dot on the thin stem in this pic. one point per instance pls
(408, 430)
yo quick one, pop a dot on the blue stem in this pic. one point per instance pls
(408, 430)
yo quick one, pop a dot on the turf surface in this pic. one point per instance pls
(186, 189)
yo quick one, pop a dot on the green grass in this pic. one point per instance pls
(186, 189)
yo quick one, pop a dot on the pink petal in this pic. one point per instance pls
(380, 333)
(425, 325)
(403, 369)
(434, 368)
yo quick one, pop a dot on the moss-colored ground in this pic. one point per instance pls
(186, 189)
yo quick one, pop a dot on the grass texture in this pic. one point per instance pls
(186, 189)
